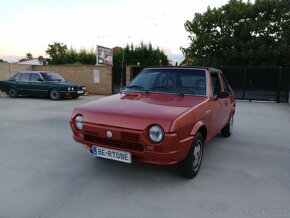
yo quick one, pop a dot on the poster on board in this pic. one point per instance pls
(104, 56)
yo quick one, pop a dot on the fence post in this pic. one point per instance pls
(279, 85)
(245, 83)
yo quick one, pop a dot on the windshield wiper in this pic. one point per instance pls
(160, 87)
(140, 88)
(135, 87)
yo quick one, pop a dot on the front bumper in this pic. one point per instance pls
(170, 151)
(72, 93)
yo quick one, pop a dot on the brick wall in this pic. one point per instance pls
(8, 70)
(84, 74)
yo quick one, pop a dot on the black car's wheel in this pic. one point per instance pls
(228, 129)
(189, 167)
(54, 94)
(12, 92)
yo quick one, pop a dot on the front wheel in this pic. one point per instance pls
(228, 129)
(12, 92)
(189, 167)
(54, 94)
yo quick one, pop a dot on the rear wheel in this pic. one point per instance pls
(189, 167)
(12, 92)
(228, 129)
(54, 94)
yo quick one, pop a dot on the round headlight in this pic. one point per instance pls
(72, 88)
(156, 133)
(68, 88)
(79, 122)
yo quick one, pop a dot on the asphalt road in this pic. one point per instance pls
(44, 173)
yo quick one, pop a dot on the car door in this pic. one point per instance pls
(218, 105)
(228, 101)
(23, 84)
(37, 85)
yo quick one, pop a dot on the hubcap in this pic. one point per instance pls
(12, 92)
(197, 153)
(54, 94)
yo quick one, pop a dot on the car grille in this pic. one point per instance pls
(125, 143)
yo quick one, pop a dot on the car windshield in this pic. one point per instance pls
(15, 76)
(173, 81)
(51, 76)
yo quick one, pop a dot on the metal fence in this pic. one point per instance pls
(266, 84)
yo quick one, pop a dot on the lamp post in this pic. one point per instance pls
(122, 72)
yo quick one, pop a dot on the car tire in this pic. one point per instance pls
(228, 129)
(190, 166)
(12, 92)
(54, 94)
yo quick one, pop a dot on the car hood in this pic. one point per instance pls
(137, 111)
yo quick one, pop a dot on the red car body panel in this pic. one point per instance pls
(130, 115)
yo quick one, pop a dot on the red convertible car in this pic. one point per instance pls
(164, 116)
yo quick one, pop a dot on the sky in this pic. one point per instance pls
(29, 26)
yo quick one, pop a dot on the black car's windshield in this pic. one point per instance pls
(51, 76)
(175, 81)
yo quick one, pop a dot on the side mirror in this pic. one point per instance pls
(40, 80)
(222, 95)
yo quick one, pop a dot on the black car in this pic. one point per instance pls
(41, 83)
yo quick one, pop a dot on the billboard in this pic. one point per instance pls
(104, 55)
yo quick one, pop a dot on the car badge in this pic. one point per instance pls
(109, 134)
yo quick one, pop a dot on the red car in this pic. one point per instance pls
(164, 116)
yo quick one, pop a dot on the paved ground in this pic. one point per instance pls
(44, 173)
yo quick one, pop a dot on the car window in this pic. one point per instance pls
(195, 82)
(215, 83)
(24, 77)
(34, 77)
(52, 77)
(15, 76)
(225, 85)
(175, 81)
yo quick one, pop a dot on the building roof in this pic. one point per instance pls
(33, 61)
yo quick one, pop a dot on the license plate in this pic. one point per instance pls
(112, 154)
(80, 92)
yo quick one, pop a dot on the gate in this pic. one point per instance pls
(116, 78)
(266, 84)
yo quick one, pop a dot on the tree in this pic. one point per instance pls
(241, 34)
(59, 54)
(29, 56)
(143, 55)
(42, 60)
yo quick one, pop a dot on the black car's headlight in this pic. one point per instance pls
(156, 133)
(79, 122)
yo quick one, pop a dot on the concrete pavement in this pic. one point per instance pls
(44, 173)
